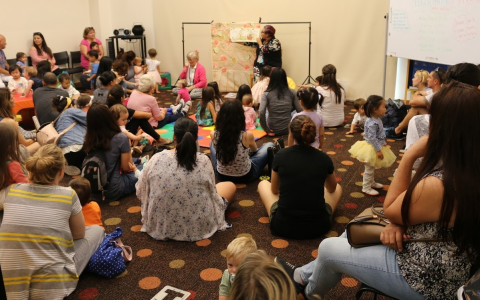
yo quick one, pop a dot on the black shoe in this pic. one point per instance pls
(290, 269)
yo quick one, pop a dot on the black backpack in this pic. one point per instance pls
(396, 112)
(94, 170)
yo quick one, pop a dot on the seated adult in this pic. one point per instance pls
(120, 68)
(42, 98)
(129, 79)
(440, 202)
(334, 97)
(180, 200)
(7, 102)
(301, 213)
(88, 38)
(40, 51)
(71, 142)
(420, 102)
(261, 86)
(279, 100)
(49, 235)
(195, 75)
(136, 118)
(260, 277)
(141, 99)
(235, 154)
(4, 74)
(104, 65)
(107, 80)
(103, 134)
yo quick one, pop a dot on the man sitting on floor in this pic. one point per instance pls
(42, 98)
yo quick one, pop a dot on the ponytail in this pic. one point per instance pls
(60, 103)
(186, 133)
(107, 77)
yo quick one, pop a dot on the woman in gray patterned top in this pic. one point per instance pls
(441, 203)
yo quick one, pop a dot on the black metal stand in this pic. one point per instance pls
(142, 38)
(309, 79)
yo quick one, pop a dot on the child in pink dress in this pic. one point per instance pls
(183, 96)
(154, 68)
(250, 115)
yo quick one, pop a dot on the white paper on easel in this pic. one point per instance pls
(244, 34)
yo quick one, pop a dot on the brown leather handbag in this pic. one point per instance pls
(365, 229)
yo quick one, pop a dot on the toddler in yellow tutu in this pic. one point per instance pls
(372, 151)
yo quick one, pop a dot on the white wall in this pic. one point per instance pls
(61, 25)
(349, 34)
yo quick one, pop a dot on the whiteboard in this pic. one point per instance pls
(442, 31)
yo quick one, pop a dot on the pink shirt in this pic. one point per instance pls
(38, 58)
(183, 92)
(259, 88)
(84, 60)
(147, 103)
(250, 118)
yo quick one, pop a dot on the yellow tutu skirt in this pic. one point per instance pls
(365, 153)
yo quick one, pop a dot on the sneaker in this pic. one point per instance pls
(72, 170)
(370, 192)
(376, 185)
(290, 269)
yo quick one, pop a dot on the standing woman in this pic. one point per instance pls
(44, 244)
(280, 101)
(301, 213)
(235, 154)
(103, 134)
(269, 51)
(180, 200)
(334, 97)
(40, 51)
(88, 38)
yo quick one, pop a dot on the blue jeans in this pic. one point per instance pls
(375, 266)
(259, 160)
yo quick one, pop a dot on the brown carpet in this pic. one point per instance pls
(197, 267)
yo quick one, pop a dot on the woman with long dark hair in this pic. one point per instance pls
(40, 51)
(235, 154)
(279, 100)
(334, 97)
(103, 134)
(180, 200)
(440, 203)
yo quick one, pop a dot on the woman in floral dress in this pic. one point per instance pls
(269, 51)
(180, 200)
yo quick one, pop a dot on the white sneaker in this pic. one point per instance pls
(376, 185)
(370, 192)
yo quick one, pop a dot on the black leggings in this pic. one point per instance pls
(133, 125)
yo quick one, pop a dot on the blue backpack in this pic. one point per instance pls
(109, 259)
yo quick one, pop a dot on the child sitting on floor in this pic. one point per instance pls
(359, 118)
(18, 84)
(90, 209)
(206, 114)
(66, 85)
(250, 115)
(182, 97)
(120, 113)
(22, 61)
(218, 97)
(309, 98)
(31, 76)
(138, 68)
(236, 252)
(154, 68)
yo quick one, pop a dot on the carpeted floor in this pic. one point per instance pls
(198, 267)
